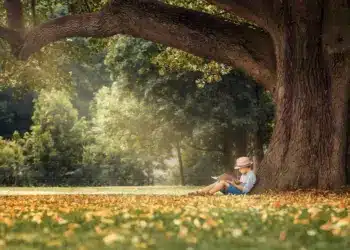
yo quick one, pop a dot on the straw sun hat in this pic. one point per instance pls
(243, 162)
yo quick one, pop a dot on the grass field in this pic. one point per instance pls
(163, 218)
(151, 190)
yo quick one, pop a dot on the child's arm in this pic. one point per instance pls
(237, 182)
(240, 187)
(247, 186)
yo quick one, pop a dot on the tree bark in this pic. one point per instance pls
(347, 164)
(181, 167)
(307, 146)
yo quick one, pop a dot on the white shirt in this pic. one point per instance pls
(248, 181)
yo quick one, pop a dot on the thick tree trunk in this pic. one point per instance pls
(307, 146)
(181, 167)
(340, 76)
(347, 165)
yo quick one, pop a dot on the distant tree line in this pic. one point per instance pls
(147, 125)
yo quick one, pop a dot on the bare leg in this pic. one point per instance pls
(218, 187)
(204, 190)
(207, 188)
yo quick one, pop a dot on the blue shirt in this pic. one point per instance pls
(248, 181)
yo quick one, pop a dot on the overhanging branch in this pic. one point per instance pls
(195, 32)
(82, 25)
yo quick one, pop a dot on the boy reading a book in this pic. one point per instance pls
(227, 185)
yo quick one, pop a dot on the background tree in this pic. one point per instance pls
(11, 162)
(55, 144)
(123, 128)
(130, 62)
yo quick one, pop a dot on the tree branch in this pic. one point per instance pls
(81, 25)
(195, 32)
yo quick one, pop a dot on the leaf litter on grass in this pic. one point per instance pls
(294, 220)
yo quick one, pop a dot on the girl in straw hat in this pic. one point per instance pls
(243, 186)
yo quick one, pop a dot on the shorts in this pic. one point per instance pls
(232, 190)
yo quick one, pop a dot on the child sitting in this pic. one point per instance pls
(235, 187)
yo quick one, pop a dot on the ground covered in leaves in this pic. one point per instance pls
(272, 221)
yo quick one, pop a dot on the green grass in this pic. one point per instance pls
(152, 190)
(138, 220)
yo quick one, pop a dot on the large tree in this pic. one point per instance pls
(297, 49)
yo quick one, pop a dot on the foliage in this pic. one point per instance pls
(174, 60)
(192, 113)
(123, 129)
(201, 165)
(204, 6)
(47, 68)
(271, 221)
(89, 74)
(130, 58)
(11, 154)
(55, 144)
(162, 98)
(11, 162)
